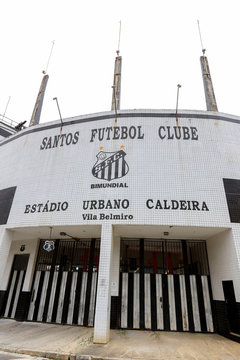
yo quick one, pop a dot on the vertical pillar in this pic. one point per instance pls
(115, 266)
(117, 84)
(208, 85)
(5, 244)
(103, 302)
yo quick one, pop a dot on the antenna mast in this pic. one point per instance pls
(3, 116)
(39, 101)
(117, 78)
(178, 87)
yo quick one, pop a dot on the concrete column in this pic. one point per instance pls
(103, 302)
(115, 266)
(208, 85)
(117, 84)
(5, 244)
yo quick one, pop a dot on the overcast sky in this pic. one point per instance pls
(160, 47)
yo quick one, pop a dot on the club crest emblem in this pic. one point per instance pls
(110, 165)
(49, 245)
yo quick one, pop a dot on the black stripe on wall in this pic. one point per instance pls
(141, 285)
(6, 200)
(232, 190)
(67, 298)
(153, 301)
(201, 304)
(120, 298)
(130, 300)
(14, 293)
(57, 293)
(2, 301)
(166, 316)
(23, 305)
(38, 297)
(178, 303)
(89, 282)
(77, 298)
(189, 303)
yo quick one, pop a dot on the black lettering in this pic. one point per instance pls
(108, 205)
(39, 207)
(186, 135)
(53, 207)
(101, 204)
(170, 137)
(116, 131)
(75, 137)
(148, 203)
(132, 132)
(158, 205)
(204, 206)
(195, 205)
(175, 205)
(108, 129)
(69, 138)
(183, 205)
(49, 143)
(194, 133)
(124, 132)
(165, 205)
(63, 136)
(93, 204)
(140, 136)
(101, 135)
(117, 204)
(177, 130)
(45, 209)
(33, 209)
(64, 206)
(43, 143)
(56, 140)
(159, 132)
(27, 209)
(125, 204)
(85, 204)
(94, 131)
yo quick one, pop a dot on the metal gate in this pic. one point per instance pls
(165, 285)
(15, 285)
(65, 282)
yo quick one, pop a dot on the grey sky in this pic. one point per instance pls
(160, 47)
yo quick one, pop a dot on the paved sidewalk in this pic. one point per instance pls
(63, 341)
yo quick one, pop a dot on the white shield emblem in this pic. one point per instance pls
(49, 245)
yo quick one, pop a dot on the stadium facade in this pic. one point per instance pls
(123, 219)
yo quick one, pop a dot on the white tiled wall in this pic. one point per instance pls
(158, 169)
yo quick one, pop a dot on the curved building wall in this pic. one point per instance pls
(139, 171)
(144, 174)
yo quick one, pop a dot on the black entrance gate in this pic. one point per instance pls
(164, 285)
(65, 281)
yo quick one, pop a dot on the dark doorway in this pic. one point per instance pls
(231, 306)
(15, 284)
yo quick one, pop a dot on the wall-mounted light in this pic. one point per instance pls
(22, 248)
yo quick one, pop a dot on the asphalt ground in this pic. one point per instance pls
(73, 342)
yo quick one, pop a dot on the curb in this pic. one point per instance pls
(55, 355)
(44, 354)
